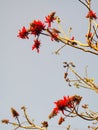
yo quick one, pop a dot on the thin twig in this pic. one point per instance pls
(84, 116)
(84, 4)
(26, 116)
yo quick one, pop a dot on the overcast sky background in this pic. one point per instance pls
(36, 80)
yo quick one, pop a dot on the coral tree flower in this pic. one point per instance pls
(63, 103)
(36, 45)
(91, 15)
(36, 27)
(66, 102)
(23, 33)
(50, 18)
(60, 105)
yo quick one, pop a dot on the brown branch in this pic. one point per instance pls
(26, 116)
(84, 81)
(95, 31)
(84, 4)
(74, 46)
(85, 117)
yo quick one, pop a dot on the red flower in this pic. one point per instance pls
(23, 33)
(63, 103)
(36, 27)
(67, 102)
(50, 18)
(36, 45)
(91, 15)
(60, 104)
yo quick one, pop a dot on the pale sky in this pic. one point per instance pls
(36, 80)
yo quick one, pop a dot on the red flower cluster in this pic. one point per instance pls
(63, 103)
(36, 45)
(50, 18)
(67, 102)
(23, 33)
(36, 27)
(91, 15)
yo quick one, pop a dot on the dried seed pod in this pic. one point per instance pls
(6, 121)
(14, 112)
(45, 124)
(61, 120)
(65, 75)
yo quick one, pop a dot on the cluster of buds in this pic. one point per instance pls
(67, 66)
